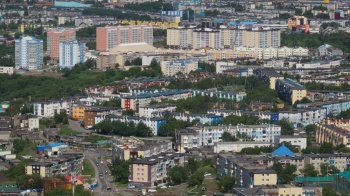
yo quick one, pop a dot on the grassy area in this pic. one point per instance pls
(30, 149)
(67, 131)
(121, 185)
(88, 168)
(95, 138)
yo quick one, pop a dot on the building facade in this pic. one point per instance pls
(71, 53)
(55, 37)
(290, 90)
(28, 53)
(171, 68)
(110, 37)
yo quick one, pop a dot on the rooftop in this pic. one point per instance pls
(292, 84)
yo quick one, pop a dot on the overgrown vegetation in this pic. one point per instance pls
(123, 129)
(65, 130)
(95, 138)
(88, 168)
(115, 13)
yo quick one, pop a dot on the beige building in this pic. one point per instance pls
(269, 76)
(106, 61)
(41, 168)
(180, 37)
(171, 68)
(6, 70)
(341, 123)
(339, 161)
(332, 134)
(290, 90)
(207, 38)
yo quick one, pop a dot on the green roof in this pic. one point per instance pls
(345, 174)
(314, 179)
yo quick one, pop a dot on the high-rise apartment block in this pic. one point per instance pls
(223, 37)
(55, 37)
(110, 37)
(71, 53)
(28, 53)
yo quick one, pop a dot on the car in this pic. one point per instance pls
(109, 188)
(101, 174)
(207, 174)
(106, 172)
(101, 162)
(97, 164)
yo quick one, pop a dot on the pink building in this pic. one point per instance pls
(55, 36)
(110, 37)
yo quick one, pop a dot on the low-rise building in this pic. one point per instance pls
(280, 190)
(48, 109)
(129, 148)
(171, 68)
(235, 96)
(210, 119)
(6, 70)
(290, 90)
(332, 134)
(152, 171)
(339, 161)
(90, 114)
(237, 146)
(304, 116)
(295, 140)
(156, 110)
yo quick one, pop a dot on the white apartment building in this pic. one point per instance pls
(171, 68)
(153, 123)
(6, 70)
(155, 110)
(259, 133)
(304, 116)
(48, 109)
(237, 146)
(295, 140)
(33, 123)
(28, 53)
(71, 53)
(274, 52)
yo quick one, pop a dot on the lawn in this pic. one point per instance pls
(67, 131)
(88, 168)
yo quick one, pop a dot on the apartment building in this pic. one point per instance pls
(186, 139)
(48, 109)
(153, 123)
(223, 37)
(220, 147)
(342, 123)
(258, 133)
(55, 37)
(339, 161)
(78, 111)
(280, 190)
(110, 37)
(28, 53)
(247, 173)
(71, 53)
(334, 107)
(210, 119)
(135, 101)
(156, 110)
(273, 116)
(295, 140)
(290, 90)
(269, 76)
(152, 171)
(6, 70)
(303, 116)
(332, 134)
(171, 68)
(129, 148)
(180, 37)
(63, 164)
(90, 114)
(106, 61)
(234, 96)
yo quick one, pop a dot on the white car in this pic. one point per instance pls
(207, 174)
(152, 190)
(101, 162)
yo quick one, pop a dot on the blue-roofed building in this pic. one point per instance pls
(52, 149)
(282, 151)
(236, 96)
(70, 4)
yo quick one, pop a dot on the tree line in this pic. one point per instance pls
(119, 128)
(115, 13)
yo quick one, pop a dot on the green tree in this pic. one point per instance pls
(285, 174)
(329, 191)
(192, 165)
(120, 170)
(309, 170)
(308, 14)
(326, 148)
(128, 112)
(286, 128)
(310, 129)
(196, 178)
(326, 169)
(226, 184)
(19, 145)
(177, 175)
(33, 181)
(227, 137)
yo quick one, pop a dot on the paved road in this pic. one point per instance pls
(75, 125)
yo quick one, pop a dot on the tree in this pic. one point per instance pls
(18, 145)
(62, 117)
(128, 112)
(329, 191)
(196, 178)
(326, 148)
(285, 174)
(227, 137)
(120, 170)
(177, 175)
(192, 165)
(79, 190)
(286, 127)
(33, 181)
(309, 170)
(310, 129)
(226, 184)
(326, 169)
(308, 14)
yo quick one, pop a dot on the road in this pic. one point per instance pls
(75, 125)
(101, 172)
